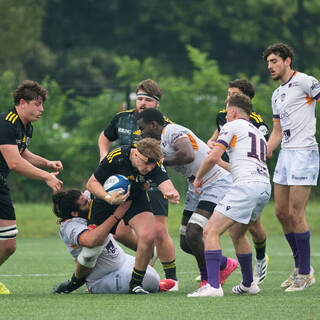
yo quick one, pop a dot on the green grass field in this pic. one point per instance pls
(42, 261)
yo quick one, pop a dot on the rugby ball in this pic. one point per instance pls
(117, 183)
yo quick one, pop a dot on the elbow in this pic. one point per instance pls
(12, 165)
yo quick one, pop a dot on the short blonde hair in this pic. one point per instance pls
(150, 148)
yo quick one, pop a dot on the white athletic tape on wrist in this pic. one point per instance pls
(9, 232)
(198, 219)
(88, 256)
(183, 230)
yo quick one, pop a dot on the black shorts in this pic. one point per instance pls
(6, 207)
(100, 210)
(159, 204)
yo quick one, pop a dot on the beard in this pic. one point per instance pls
(83, 214)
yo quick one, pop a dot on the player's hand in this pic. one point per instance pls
(55, 165)
(117, 198)
(122, 209)
(211, 143)
(196, 184)
(173, 196)
(53, 182)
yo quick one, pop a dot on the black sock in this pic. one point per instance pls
(137, 278)
(260, 249)
(76, 283)
(170, 269)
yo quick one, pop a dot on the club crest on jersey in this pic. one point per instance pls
(112, 251)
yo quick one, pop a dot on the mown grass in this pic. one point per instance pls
(40, 264)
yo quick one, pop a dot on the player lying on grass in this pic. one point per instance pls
(106, 266)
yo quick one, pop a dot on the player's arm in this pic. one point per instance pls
(104, 145)
(275, 138)
(41, 162)
(97, 236)
(18, 164)
(211, 142)
(224, 164)
(208, 163)
(96, 188)
(183, 154)
(169, 191)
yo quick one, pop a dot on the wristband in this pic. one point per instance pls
(117, 219)
(108, 197)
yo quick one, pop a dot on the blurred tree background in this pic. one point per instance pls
(90, 54)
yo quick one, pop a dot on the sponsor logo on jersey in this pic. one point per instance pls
(123, 130)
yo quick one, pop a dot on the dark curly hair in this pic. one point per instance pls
(29, 90)
(64, 202)
(280, 49)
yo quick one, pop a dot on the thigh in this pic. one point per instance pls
(281, 198)
(143, 223)
(298, 198)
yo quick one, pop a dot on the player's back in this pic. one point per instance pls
(247, 148)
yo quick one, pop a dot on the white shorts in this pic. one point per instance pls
(212, 192)
(245, 201)
(118, 281)
(297, 168)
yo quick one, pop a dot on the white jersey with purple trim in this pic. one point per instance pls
(111, 258)
(246, 147)
(171, 134)
(293, 104)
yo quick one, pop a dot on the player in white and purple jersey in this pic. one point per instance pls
(245, 200)
(100, 261)
(294, 126)
(184, 152)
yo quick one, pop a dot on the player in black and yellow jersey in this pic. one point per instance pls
(257, 231)
(15, 135)
(140, 164)
(124, 128)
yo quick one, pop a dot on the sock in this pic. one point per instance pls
(303, 248)
(260, 249)
(245, 261)
(293, 245)
(203, 273)
(137, 278)
(213, 258)
(170, 269)
(223, 262)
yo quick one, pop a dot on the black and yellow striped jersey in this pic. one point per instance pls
(118, 162)
(255, 119)
(12, 131)
(124, 127)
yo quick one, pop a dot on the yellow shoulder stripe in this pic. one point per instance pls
(256, 117)
(113, 153)
(11, 117)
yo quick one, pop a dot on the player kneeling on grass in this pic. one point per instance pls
(100, 262)
(245, 200)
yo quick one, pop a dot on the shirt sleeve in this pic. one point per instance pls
(111, 132)
(7, 133)
(312, 87)
(71, 231)
(226, 136)
(103, 171)
(158, 174)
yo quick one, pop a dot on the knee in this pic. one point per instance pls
(194, 233)
(161, 233)
(209, 233)
(184, 245)
(282, 215)
(147, 238)
(9, 248)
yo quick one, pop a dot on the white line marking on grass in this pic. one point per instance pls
(34, 275)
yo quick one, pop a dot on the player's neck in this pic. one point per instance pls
(287, 75)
